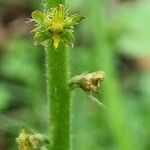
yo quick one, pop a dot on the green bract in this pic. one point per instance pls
(55, 24)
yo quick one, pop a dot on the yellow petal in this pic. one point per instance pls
(56, 40)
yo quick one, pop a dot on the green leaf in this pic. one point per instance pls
(40, 18)
(68, 37)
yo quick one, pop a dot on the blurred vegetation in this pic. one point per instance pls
(114, 38)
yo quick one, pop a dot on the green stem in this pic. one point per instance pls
(53, 3)
(59, 96)
(58, 92)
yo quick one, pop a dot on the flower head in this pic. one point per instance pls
(88, 82)
(55, 24)
(27, 141)
(23, 140)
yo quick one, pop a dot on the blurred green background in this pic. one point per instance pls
(114, 37)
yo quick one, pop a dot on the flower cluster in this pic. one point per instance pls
(88, 82)
(56, 24)
(28, 141)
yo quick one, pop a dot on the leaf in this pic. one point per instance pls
(68, 37)
(40, 18)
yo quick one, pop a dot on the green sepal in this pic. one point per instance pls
(59, 13)
(41, 37)
(74, 19)
(68, 37)
(40, 18)
(37, 29)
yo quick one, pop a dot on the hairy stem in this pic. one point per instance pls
(59, 96)
(58, 92)
(53, 3)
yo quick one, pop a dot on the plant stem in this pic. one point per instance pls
(58, 92)
(53, 3)
(59, 97)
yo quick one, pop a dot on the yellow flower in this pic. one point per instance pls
(55, 24)
(23, 140)
(28, 141)
(56, 40)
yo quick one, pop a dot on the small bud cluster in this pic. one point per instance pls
(88, 82)
(28, 141)
(55, 24)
